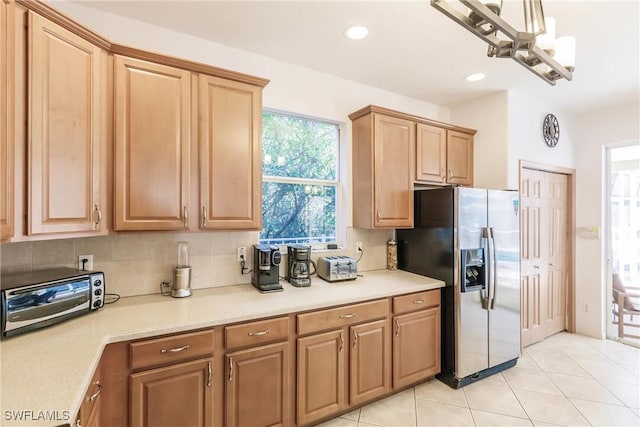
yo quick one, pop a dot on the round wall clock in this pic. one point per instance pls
(551, 130)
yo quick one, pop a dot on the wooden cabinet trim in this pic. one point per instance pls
(392, 113)
(46, 11)
(196, 67)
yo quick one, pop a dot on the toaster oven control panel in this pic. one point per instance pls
(97, 290)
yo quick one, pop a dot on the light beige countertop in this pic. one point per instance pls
(49, 370)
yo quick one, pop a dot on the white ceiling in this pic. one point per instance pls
(412, 48)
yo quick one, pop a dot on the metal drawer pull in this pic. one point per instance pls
(94, 396)
(175, 350)
(209, 374)
(204, 216)
(185, 217)
(257, 334)
(231, 369)
(347, 316)
(536, 266)
(418, 301)
(99, 216)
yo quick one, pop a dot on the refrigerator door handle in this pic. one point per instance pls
(485, 295)
(494, 270)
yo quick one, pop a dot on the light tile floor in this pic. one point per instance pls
(566, 380)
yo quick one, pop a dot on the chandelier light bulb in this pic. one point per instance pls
(546, 41)
(475, 77)
(565, 52)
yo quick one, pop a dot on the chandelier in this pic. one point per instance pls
(536, 48)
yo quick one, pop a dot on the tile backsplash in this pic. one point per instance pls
(136, 263)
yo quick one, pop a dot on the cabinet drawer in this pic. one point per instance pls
(254, 333)
(342, 316)
(170, 349)
(417, 301)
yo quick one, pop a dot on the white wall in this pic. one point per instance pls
(489, 115)
(526, 114)
(594, 131)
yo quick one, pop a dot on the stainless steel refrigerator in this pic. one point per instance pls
(469, 238)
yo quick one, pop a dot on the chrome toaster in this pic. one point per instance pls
(337, 268)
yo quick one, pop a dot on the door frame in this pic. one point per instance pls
(570, 323)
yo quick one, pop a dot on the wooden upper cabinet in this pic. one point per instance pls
(383, 153)
(230, 154)
(443, 156)
(152, 145)
(66, 171)
(431, 153)
(459, 158)
(6, 121)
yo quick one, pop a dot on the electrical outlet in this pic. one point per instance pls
(359, 247)
(242, 253)
(88, 264)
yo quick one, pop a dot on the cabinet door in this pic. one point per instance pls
(257, 387)
(394, 142)
(431, 153)
(152, 146)
(92, 403)
(6, 121)
(416, 347)
(176, 395)
(370, 361)
(320, 376)
(66, 101)
(230, 154)
(459, 158)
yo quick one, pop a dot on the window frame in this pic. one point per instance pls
(338, 183)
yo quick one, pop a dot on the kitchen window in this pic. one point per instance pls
(300, 179)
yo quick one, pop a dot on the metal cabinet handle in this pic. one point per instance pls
(536, 267)
(347, 316)
(209, 374)
(341, 343)
(95, 395)
(78, 423)
(550, 265)
(257, 334)
(175, 350)
(355, 338)
(378, 215)
(450, 174)
(397, 327)
(204, 216)
(418, 301)
(98, 212)
(185, 217)
(231, 369)
(442, 175)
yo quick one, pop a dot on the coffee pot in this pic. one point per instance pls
(299, 265)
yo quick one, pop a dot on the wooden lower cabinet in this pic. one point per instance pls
(175, 395)
(323, 359)
(369, 361)
(90, 410)
(416, 347)
(320, 373)
(257, 386)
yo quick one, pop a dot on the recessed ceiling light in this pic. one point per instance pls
(356, 32)
(474, 77)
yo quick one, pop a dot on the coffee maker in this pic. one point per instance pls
(266, 268)
(298, 265)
